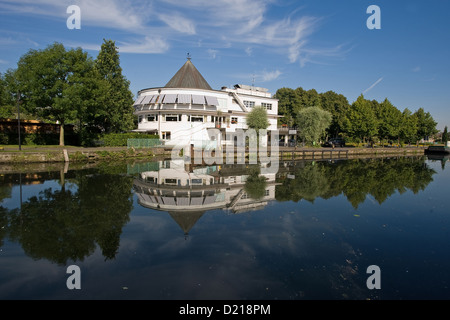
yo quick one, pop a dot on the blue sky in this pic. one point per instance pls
(320, 44)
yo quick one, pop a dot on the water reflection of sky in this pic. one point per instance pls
(288, 250)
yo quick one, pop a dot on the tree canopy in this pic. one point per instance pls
(257, 118)
(117, 102)
(359, 121)
(313, 121)
(67, 86)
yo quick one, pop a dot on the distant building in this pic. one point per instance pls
(186, 109)
(32, 126)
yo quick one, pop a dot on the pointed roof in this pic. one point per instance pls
(188, 77)
(186, 220)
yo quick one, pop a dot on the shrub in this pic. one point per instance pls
(121, 139)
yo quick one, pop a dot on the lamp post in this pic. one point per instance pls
(18, 119)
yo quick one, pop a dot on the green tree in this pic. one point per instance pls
(361, 120)
(9, 95)
(2, 90)
(389, 119)
(312, 122)
(257, 118)
(288, 101)
(408, 127)
(426, 126)
(445, 135)
(338, 106)
(117, 102)
(49, 82)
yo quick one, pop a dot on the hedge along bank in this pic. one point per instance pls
(68, 155)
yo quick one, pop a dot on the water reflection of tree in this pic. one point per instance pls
(356, 179)
(62, 225)
(255, 185)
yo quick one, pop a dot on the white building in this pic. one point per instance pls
(186, 109)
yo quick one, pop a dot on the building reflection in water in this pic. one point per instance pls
(187, 191)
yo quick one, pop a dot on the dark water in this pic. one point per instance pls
(170, 231)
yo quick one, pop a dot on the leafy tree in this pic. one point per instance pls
(2, 90)
(312, 122)
(50, 80)
(338, 106)
(5, 110)
(117, 101)
(288, 101)
(361, 120)
(389, 119)
(408, 127)
(257, 118)
(445, 135)
(8, 96)
(426, 126)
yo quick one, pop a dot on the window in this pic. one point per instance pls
(170, 181)
(165, 135)
(196, 118)
(249, 104)
(152, 117)
(234, 120)
(267, 106)
(171, 117)
(151, 180)
(267, 192)
(197, 181)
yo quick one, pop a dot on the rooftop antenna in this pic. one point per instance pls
(189, 56)
(253, 81)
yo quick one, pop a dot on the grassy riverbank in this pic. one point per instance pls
(30, 154)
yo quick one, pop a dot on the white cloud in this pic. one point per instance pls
(114, 14)
(373, 85)
(266, 76)
(213, 53)
(146, 45)
(178, 23)
(416, 69)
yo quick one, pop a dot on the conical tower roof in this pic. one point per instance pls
(188, 77)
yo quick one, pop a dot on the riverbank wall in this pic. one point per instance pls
(77, 155)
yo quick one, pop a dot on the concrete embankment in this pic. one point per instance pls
(74, 155)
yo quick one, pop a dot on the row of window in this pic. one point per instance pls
(190, 118)
(246, 196)
(251, 104)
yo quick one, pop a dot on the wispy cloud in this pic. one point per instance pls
(373, 85)
(248, 25)
(266, 76)
(416, 69)
(178, 23)
(212, 53)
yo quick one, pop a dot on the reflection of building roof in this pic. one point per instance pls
(188, 77)
(186, 202)
(186, 220)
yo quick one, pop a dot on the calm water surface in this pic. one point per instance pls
(169, 231)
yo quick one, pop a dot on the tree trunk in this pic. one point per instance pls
(61, 135)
